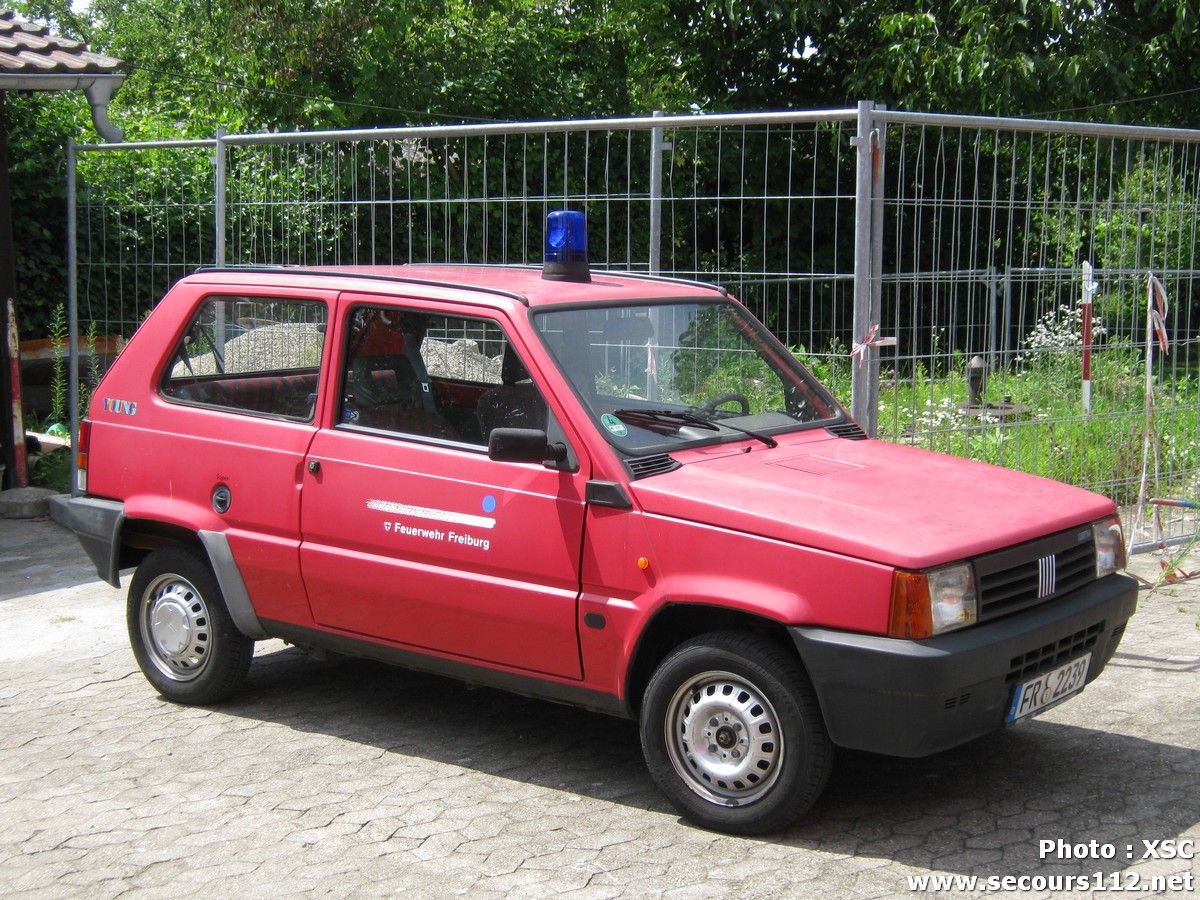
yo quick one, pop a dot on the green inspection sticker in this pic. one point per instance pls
(614, 425)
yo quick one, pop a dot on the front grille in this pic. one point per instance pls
(1034, 572)
(645, 466)
(1043, 659)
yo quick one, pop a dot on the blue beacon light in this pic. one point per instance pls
(566, 256)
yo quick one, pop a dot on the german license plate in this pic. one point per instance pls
(1035, 695)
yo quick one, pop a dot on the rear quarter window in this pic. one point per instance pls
(254, 355)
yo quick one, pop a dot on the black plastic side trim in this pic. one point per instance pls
(472, 673)
(233, 587)
(607, 493)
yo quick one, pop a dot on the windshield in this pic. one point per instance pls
(664, 375)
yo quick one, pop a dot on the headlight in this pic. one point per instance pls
(932, 602)
(1110, 546)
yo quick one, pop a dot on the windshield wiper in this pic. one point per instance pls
(661, 420)
(648, 418)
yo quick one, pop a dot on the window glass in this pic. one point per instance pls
(251, 354)
(663, 375)
(445, 377)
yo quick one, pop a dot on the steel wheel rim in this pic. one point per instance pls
(176, 627)
(724, 739)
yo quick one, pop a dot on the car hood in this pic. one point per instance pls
(870, 499)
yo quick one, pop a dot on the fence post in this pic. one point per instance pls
(1006, 333)
(657, 147)
(879, 131)
(219, 201)
(992, 280)
(72, 312)
(219, 243)
(868, 258)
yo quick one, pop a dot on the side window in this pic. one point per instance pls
(255, 355)
(447, 377)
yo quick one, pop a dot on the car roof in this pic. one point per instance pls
(504, 284)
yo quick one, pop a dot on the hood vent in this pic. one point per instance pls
(645, 466)
(848, 430)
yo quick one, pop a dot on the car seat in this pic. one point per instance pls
(515, 403)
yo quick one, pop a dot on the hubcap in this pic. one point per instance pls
(723, 738)
(175, 627)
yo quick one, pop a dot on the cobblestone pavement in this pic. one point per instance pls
(352, 778)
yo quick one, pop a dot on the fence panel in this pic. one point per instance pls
(986, 225)
(430, 199)
(144, 218)
(987, 231)
(765, 207)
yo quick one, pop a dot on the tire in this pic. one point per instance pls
(182, 636)
(768, 754)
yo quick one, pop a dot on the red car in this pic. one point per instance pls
(616, 491)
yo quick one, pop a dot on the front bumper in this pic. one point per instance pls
(913, 698)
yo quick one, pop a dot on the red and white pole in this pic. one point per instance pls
(1089, 290)
(21, 477)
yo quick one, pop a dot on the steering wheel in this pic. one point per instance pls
(740, 399)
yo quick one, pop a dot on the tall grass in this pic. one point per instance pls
(1051, 437)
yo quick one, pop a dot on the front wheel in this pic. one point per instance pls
(733, 735)
(182, 636)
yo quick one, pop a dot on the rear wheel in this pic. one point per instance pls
(182, 636)
(733, 735)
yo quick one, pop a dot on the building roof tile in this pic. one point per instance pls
(30, 49)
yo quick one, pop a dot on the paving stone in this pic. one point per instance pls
(338, 779)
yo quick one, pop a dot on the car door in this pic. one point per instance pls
(411, 534)
(235, 412)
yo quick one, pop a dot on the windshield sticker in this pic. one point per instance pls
(614, 425)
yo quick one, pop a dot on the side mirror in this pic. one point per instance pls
(524, 445)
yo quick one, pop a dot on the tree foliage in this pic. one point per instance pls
(248, 65)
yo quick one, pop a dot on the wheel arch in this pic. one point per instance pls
(180, 629)
(675, 623)
(140, 537)
(137, 538)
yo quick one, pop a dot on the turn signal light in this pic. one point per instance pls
(81, 454)
(911, 615)
(933, 601)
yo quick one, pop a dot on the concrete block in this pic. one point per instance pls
(25, 503)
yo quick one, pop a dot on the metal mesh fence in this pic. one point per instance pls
(144, 219)
(767, 211)
(477, 199)
(985, 228)
(987, 231)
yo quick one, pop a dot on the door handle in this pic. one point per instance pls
(314, 466)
